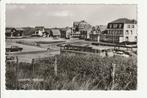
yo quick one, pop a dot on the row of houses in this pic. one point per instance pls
(38, 31)
(117, 31)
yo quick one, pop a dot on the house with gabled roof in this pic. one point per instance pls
(83, 28)
(39, 30)
(14, 32)
(55, 33)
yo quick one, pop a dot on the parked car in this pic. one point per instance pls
(14, 49)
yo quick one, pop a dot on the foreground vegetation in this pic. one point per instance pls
(74, 72)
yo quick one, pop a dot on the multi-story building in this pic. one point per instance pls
(120, 30)
(82, 28)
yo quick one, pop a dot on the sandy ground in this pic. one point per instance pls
(26, 48)
(30, 52)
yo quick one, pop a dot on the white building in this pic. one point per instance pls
(121, 30)
(39, 30)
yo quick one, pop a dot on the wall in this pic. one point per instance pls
(132, 32)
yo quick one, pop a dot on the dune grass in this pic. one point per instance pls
(75, 72)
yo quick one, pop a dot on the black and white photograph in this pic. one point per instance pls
(71, 47)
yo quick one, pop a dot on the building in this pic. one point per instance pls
(47, 32)
(28, 31)
(39, 30)
(120, 30)
(66, 32)
(55, 33)
(81, 29)
(75, 33)
(14, 32)
(96, 32)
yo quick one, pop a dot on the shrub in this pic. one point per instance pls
(78, 72)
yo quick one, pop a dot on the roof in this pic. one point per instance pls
(124, 20)
(55, 31)
(9, 29)
(101, 27)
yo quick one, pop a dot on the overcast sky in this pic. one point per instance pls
(20, 15)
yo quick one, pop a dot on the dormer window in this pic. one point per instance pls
(120, 25)
(110, 26)
(114, 25)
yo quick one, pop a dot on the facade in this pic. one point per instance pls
(120, 30)
(96, 32)
(76, 32)
(47, 32)
(66, 32)
(55, 33)
(82, 28)
(39, 30)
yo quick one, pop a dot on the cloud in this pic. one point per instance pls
(62, 13)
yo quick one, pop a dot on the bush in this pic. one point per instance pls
(89, 72)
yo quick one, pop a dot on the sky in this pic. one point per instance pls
(62, 15)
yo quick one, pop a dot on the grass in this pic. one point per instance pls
(75, 72)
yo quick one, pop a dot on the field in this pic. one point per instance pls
(74, 72)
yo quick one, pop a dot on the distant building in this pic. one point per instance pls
(96, 32)
(47, 32)
(39, 30)
(76, 32)
(55, 33)
(14, 32)
(83, 28)
(66, 32)
(120, 30)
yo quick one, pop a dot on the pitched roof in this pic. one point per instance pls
(124, 20)
(101, 27)
(55, 31)
(9, 29)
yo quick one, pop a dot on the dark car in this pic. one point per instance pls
(14, 49)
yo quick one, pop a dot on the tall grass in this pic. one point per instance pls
(75, 72)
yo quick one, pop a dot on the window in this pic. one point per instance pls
(110, 26)
(127, 32)
(132, 26)
(135, 38)
(128, 26)
(127, 38)
(120, 25)
(131, 32)
(114, 25)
